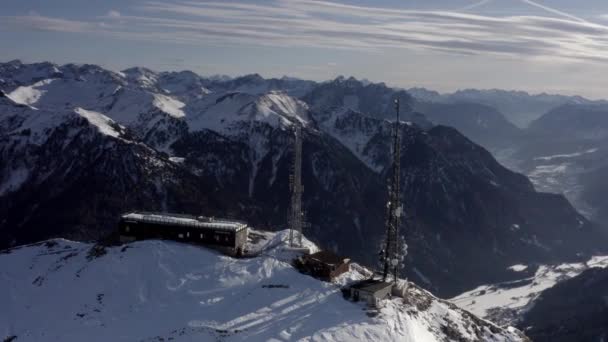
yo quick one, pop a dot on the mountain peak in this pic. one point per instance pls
(137, 70)
(253, 78)
(14, 63)
(142, 76)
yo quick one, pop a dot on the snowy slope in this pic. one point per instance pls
(102, 91)
(227, 113)
(156, 290)
(15, 74)
(25, 131)
(163, 104)
(505, 302)
(355, 131)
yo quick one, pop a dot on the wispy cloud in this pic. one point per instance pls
(553, 10)
(113, 14)
(332, 25)
(35, 21)
(476, 5)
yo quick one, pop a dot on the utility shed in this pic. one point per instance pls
(324, 265)
(228, 236)
(370, 291)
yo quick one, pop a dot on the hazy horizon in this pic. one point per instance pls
(407, 88)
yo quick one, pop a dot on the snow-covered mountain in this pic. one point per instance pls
(159, 291)
(158, 141)
(15, 74)
(372, 99)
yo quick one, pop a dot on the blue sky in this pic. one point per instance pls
(535, 45)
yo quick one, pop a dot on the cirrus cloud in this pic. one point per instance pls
(333, 25)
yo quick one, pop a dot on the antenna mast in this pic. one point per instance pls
(391, 256)
(296, 214)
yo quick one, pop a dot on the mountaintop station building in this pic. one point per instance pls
(228, 236)
(371, 291)
(324, 265)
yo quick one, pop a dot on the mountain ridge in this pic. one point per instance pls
(230, 152)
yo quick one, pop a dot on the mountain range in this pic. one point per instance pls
(519, 107)
(80, 144)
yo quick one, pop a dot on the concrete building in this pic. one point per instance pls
(370, 291)
(324, 265)
(226, 235)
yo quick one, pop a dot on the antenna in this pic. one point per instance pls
(296, 215)
(391, 254)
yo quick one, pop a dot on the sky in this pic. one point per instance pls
(554, 46)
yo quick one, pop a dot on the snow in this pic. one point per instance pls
(354, 139)
(549, 169)
(104, 124)
(177, 160)
(570, 155)
(229, 112)
(279, 103)
(517, 268)
(186, 221)
(556, 176)
(517, 295)
(160, 290)
(557, 173)
(169, 105)
(29, 95)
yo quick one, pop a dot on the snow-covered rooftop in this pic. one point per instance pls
(185, 220)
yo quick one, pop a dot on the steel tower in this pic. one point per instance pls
(296, 215)
(391, 253)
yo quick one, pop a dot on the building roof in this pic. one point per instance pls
(327, 257)
(371, 285)
(185, 220)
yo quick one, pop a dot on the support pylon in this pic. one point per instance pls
(394, 210)
(296, 214)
